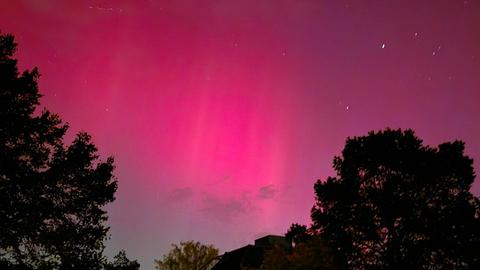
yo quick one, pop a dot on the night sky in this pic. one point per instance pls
(222, 114)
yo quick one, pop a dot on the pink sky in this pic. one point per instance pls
(222, 114)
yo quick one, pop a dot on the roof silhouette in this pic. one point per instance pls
(250, 255)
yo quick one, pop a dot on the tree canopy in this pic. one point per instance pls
(188, 256)
(51, 194)
(298, 234)
(309, 253)
(121, 262)
(396, 203)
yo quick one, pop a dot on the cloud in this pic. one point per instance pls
(225, 209)
(181, 194)
(267, 192)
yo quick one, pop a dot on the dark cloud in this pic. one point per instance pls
(225, 209)
(181, 194)
(267, 192)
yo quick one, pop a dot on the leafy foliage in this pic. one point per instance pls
(298, 234)
(51, 194)
(312, 253)
(188, 256)
(396, 203)
(121, 262)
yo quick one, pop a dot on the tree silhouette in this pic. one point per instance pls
(310, 253)
(397, 204)
(121, 262)
(188, 256)
(51, 194)
(298, 233)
